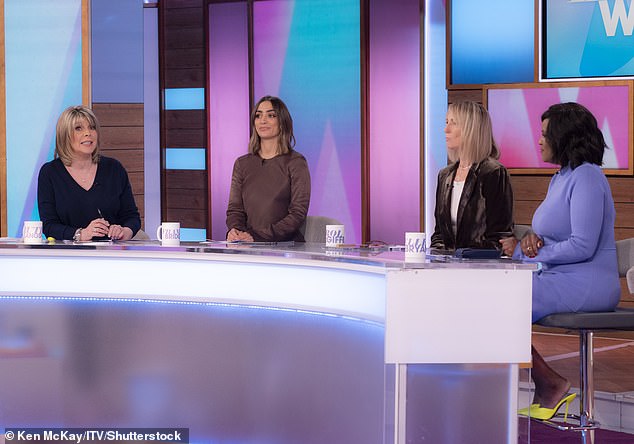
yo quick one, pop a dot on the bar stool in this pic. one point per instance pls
(585, 324)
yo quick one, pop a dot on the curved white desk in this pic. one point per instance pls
(288, 328)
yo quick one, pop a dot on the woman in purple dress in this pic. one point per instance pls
(572, 237)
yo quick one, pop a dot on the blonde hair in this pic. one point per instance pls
(65, 128)
(286, 139)
(476, 130)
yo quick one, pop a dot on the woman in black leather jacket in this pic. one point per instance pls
(474, 199)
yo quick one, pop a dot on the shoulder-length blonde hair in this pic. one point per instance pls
(65, 128)
(476, 131)
(286, 139)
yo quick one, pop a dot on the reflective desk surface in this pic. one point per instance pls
(379, 257)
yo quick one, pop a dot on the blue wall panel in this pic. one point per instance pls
(117, 51)
(492, 41)
(43, 63)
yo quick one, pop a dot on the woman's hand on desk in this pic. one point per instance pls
(530, 244)
(508, 245)
(118, 232)
(235, 235)
(96, 228)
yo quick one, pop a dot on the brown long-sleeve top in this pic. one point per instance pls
(269, 198)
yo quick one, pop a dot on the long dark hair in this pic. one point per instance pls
(573, 135)
(286, 139)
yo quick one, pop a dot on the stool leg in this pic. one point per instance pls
(587, 377)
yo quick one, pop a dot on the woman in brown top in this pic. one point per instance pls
(270, 186)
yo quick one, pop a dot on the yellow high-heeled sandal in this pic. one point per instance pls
(544, 413)
(524, 411)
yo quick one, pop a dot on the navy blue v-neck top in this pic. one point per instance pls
(65, 206)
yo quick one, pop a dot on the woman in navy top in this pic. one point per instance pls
(572, 237)
(82, 195)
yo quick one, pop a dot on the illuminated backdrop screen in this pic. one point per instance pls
(307, 53)
(492, 41)
(43, 67)
(516, 116)
(587, 38)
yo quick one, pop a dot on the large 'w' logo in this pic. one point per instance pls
(619, 14)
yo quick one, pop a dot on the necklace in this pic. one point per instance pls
(82, 176)
(464, 167)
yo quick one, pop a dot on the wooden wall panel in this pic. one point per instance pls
(529, 187)
(186, 197)
(188, 218)
(179, 4)
(183, 49)
(627, 298)
(623, 233)
(138, 199)
(137, 181)
(132, 160)
(185, 179)
(117, 114)
(188, 118)
(622, 189)
(183, 58)
(184, 78)
(624, 215)
(186, 138)
(180, 37)
(121, 137)
(182, 14)
(523, 211)
(459, 95)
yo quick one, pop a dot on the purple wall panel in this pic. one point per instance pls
(307, 53)
(394, 119)
(228, 102)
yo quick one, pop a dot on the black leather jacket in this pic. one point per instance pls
(485, 211)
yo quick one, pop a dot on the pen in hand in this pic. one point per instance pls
(107, 223)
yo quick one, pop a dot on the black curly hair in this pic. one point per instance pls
(573, 135)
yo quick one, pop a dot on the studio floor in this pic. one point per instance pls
(613, 379)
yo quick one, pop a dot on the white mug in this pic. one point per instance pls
(414, 246)
(32, 232)
(335, 235)
(169, 233)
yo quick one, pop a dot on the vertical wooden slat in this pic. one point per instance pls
(121, 137)
(182, 32)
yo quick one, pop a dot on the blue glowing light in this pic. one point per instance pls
(184, 98)
(185, 158)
